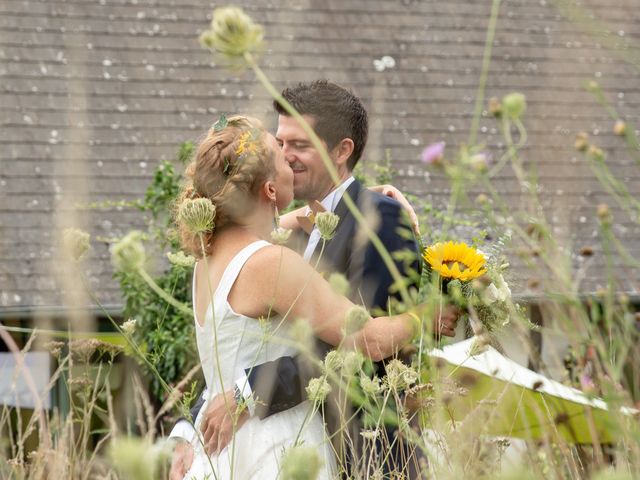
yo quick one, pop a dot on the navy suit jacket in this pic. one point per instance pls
(280, 384)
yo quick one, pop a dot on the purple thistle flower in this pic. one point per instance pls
(432, 154)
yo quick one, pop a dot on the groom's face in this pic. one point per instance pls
(311, 181)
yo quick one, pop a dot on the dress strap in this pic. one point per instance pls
(235, 266)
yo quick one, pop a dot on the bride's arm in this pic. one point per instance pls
(300, 292)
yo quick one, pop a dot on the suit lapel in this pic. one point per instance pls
(336, 251)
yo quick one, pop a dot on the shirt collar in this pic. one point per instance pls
(333, 198)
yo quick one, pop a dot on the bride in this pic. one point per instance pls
(247, 292)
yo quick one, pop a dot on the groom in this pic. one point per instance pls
(340, 120)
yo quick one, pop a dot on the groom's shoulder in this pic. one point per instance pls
(383, 204)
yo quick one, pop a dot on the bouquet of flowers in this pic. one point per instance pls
(471, 281)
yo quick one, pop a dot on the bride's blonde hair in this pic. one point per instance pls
(229, 168)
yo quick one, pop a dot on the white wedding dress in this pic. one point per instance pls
(237, 343)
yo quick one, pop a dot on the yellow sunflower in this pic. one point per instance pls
(455, 260)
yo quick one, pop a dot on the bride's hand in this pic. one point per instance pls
(181, 460)
(393, 192)
(219, 421)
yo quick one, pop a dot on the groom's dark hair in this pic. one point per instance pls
(338, 113)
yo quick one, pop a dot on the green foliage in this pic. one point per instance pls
(165, 334)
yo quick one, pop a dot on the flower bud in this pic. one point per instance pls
(582, 142)
(339, 284)
(355, 319)
(352, 363)
(399, 376)
(495, 107)
(233, 33)
(333, 361)
(318, 389)
(179, 259)
(76, 243)
(197, 214)
(604, 214)
(327, 223)
(479, 162)
(514, 105)
(370, 386)
(129, 326)
(280, 235)
(300, 463)
(482, 199)
(620, 128)
(128, 255)
(596, 153)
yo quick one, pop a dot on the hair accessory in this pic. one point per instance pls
(221, 124)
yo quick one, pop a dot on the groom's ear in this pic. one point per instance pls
(343, 151)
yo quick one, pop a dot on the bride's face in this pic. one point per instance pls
(284, 175)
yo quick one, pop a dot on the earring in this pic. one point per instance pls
(276, 216)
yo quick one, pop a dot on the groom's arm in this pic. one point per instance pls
(371, 273)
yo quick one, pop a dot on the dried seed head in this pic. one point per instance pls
(128, 255)
(300, 463)
(327, 223)
(318, 389)
(586, 251)
(604, 214)
(280, 235)
(181, 260)
(582, 142)
(232, 33)
(620, 128)
(197, 214)
(76, 243)
(495, 107)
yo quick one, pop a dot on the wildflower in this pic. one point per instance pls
(197, 214)
(604, 214)
(514, 105)
(433, 154)
(370, 386)
(352, 363)
(596, 153)
(370, 434)
(327, 223)
(333, 361)
(129, 326)
(620, 128)
(479, 162)
(179, 259)
(232, 33)
(54, 347)
(302, 332)
(280, 235)
(76, 243)
(339, 284)
(400, 376)
(495, 107)
(355, 319)
(318, 389)
(300, 463)
(455, 260)
(582, 142)
(137, 458)
(128, 254)
(482, 199)
(497, 291)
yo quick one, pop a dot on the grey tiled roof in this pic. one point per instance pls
(93, 94)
